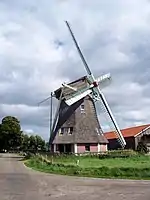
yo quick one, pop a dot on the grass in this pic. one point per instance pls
(136, 167)
(86, 162)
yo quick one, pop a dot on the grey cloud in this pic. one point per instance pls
(37, 55)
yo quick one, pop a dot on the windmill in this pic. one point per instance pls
(71, 96)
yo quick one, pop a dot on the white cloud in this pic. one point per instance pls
(37, 55)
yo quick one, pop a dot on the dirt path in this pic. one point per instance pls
(20, 183)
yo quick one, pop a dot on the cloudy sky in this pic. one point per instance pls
(37, 55)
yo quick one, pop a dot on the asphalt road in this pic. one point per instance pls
(20, 183)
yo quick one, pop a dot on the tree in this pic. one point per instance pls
(47, 146)
(36, 143)
(10, 133)
(2, 140)
(40, 143)
(32, 142)
(25, 142)
(11, 136)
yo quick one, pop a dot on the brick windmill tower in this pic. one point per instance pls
(76, 127)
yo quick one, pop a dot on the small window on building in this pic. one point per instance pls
(62, 131)
(82, 108)
(70, 130)
(87, 147)
(65, 130)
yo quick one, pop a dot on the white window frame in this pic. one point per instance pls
(69, 131)
(82, 109)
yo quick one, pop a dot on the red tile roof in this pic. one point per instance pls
(128, 132)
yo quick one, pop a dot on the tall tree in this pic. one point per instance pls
(10, 131)
(36, 143)
(32, 143)
(25, 142)
(40, 143)
(11, 136)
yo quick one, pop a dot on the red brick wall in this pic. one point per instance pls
(81, 148)
(93, 148)
(103, 147)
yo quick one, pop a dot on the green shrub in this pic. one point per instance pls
(118, 154)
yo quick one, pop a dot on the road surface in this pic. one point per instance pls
(17, 182)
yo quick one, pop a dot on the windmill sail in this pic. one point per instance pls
(103, 102)
(110, 121)
(97, 94)
(78, 49)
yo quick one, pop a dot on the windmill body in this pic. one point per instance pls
(74, 125)
(78, 129)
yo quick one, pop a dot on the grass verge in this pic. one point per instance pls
(129, 172)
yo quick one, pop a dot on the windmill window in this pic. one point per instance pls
(82, 108)
(70, 130)
(66, 130)
(62, 131)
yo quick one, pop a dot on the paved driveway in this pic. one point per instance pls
(19, 183)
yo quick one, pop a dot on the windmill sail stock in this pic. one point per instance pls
(103, 113)
(49, 98)
(117, 129)
(78, 49)
(96, 93)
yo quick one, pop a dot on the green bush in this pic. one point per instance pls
(118, 154)
(28, 155)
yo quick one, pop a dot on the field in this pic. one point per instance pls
(86, 162)
(133, 167)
